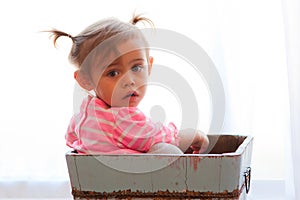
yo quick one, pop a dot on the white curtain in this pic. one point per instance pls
(253, 43)
(291, 14)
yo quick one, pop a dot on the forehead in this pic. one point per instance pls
(127, 51)
(136, 45)
(131, 47)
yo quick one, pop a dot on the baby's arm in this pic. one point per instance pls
(194, 139)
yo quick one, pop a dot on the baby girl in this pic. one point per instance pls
(113, 62)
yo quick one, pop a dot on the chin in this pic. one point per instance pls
(133, 105)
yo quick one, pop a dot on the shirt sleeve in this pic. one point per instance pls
(135, 131)
(71, 137)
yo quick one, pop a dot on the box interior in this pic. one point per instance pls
(219, 144)
(224, 143)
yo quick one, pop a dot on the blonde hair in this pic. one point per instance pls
(86, 41)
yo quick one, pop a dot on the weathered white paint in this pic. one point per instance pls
(215, 173)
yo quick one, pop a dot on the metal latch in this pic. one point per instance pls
(247, 176)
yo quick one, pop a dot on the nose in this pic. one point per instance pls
(128, 80)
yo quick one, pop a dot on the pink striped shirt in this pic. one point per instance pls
(98, 128)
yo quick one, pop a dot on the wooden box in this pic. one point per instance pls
(222, 173)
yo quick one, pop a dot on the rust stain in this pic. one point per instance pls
(128, 194)
(176, 162)
(194, 161)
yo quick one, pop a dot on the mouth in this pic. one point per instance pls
(131, 94)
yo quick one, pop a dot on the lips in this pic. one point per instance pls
(131, 94)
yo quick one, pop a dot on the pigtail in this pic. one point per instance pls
(91, 37)
(138, 18)
(55, 34)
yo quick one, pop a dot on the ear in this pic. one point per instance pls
(83, 80)
(150, 65)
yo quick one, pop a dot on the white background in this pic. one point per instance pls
(244, 40)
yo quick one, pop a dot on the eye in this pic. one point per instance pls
(137, 68)
(112, 73)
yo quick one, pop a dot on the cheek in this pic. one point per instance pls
(103, 88)
(143, 77)
(106, 89)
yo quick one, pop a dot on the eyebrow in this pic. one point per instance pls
(137, 59)
(132, 61)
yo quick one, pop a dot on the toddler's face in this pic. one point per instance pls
(123, 82)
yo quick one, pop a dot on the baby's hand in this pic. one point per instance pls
(200, 143)
(193, 139)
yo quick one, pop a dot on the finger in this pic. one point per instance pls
(203, 149)
(195, 148)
